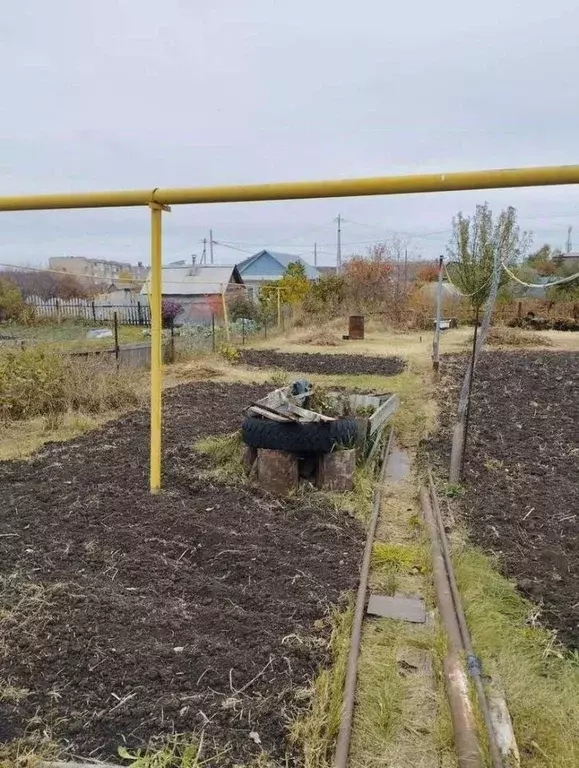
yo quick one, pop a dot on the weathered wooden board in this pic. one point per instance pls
(384, 412)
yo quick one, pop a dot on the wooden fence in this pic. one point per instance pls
(136, 313)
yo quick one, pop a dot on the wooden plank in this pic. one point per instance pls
(308, 415)
(379, 417)
(257, 410)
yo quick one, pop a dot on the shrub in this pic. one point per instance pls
(35, 382)
(241, 307)
(32, 383)
(169, 311)
(229, 353)
(11, 303)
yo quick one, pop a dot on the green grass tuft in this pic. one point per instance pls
(316, 731)
(399, 558)
(178, 751)
(226, 454)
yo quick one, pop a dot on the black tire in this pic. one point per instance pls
(311, 437)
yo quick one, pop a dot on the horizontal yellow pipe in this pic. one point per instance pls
(294, 190)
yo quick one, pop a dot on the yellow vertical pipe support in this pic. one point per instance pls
(155, 302)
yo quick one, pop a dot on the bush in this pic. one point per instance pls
(11, 303)
(169, 311)
(36, 382)
(241, 307)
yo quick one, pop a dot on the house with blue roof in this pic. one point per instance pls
(269, 265)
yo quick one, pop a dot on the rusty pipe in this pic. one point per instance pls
(472, 660)
(343, 742)
(455, 678)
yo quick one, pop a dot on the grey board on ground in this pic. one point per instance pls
(397, 607)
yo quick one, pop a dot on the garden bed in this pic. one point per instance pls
(128, 616)
(521, 472)
(316, 362)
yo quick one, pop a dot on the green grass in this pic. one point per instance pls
(399, 558)
(315, 732)
(179, 751)
(358, 501)
(401, 717)
(226, 454)
(539, 676)
(69, 334)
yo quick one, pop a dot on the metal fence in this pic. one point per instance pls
(136, 313)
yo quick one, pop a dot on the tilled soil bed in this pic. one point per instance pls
(127, 616)
(522, 471)
(316, 362)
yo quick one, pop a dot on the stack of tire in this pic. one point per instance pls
(304, 437)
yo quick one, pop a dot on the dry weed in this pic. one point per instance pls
(516, 337)
(321, 338)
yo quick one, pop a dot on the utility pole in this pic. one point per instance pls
(315, 254)
(339, 248)
(211, 245)
(436, 341)
(204, 254)
(569, 245)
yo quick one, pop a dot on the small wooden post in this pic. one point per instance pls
(117, 349)
(436, 340)
(277, 471)
(172, 342)
(336, 470)
(249, 458)
(93, 311)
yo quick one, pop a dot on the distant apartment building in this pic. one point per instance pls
(102, 269)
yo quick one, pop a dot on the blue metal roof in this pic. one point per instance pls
(284, 259)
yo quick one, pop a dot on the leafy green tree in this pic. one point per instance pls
(326, 295)
(476, 241)
(565, 291)
(242, 307)
(543, 260)
(293, 287)
(294, 283)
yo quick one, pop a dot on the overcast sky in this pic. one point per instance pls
(138, 93)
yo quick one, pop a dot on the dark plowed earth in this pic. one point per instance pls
(127, 615)
(315, 362)
(522, 472)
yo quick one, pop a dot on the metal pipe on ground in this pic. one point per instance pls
(473, 664)
(343, 743)
(455, 678)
